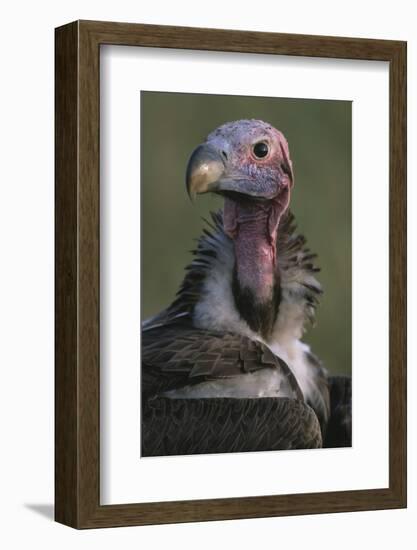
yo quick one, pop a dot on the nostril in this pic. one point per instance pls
(224, 155)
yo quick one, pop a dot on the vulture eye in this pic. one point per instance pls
(260, 150)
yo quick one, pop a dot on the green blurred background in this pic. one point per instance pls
(319, 136)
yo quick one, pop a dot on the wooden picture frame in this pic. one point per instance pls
(77, 374)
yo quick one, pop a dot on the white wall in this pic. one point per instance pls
(26, 289)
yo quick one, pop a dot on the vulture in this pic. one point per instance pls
(224, 368)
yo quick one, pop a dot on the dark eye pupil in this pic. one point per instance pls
(260, 149)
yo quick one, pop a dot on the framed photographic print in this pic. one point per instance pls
(213, 353)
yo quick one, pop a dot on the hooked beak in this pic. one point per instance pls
(204, 171)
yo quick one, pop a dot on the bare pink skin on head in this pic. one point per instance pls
(252, 219)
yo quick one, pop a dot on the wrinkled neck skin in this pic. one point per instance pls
(253, 227)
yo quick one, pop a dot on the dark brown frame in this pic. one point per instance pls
(77, 274)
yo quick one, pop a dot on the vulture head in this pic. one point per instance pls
(248, 163)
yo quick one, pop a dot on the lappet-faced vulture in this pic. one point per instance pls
(224, 367)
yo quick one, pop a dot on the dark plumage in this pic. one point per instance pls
(228, 425)
(223, 367)
(179, 355)
(339, 428)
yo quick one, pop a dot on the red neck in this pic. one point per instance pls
(255, 254)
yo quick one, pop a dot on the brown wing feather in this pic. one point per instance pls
(220, 425)
(178, 354)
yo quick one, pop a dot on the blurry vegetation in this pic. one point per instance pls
(319, 136)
